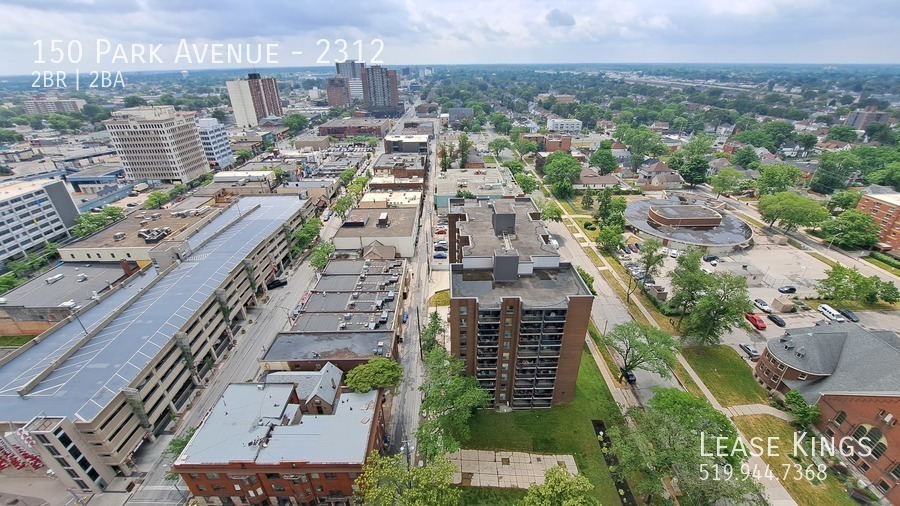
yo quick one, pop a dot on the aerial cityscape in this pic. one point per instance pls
(394, 253)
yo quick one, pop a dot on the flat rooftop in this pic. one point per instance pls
(501, 182)
(99, 170)
(355, 122)
(890, 198)
(685, 211)
(254, 433)
(530, 237)
(402, 222)
(80, 386)
(730, 231)
(407, 137)
(132, 224)
(333, 346)
(16, 188)
(404, 198)
(39, 293)
(408, 160)
(344, 322)
(548, 288)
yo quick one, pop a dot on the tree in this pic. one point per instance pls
(499, 144)
(526, 182)
(805, 415)
(156, 200)
(219, 114)
(549, 210)
(10, 136)
(389, 481)
(852, 229)
(844, 200)
(296, 123)
(689, 282)
(745, 156)
(346, 177)
(464, 146)
(51, 249)
(888, 292)
(464, 194)
(320, 255)
(112, 214)
(434, 328)
(378, 372)
(641, 142)
(717, 312)
(587, 278)
(560, 489)
(642, 347)
(178, 444)
(450, 400)
(610, 237)
(780, 132)
(604, 161)
(524, 146)
(561, 166)
(667, 440)
(807, 142)
(243, 155)
(834, 170)
(177, 191)
(839, 283)
(133, 101)
(699, 145)
(306, 234)
(726, 180)
(562, 190)
(776, 178)
(343, 205)
(791, 210)
(845, 133)
(587, 200)
(514, 166)
(881, 132)
(695, 170)
(650, 261)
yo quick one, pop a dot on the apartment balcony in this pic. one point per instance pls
(530, 328)
(486, 364)
(543, 394)
(549, 353)
(519, 403)
(544, 384)
(485, 354)
(551, 342)
(541, 403)
(525, 373)
(488, 319)
(523, 383)
(528, 341)
(489, 385)
(528, 352)
(545, 374)
(555, 317)
(553, 329)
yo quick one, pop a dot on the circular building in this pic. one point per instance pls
(679, 223)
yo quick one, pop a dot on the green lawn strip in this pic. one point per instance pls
(14, 340)
(564, 429)
(831, 492)
(878, 263)
(822, 258)
(483, 496)
(567, 205)
(686, 380)
(590, 234)
(639, 294)
(725, 374)
(605, 353)
(634, 311)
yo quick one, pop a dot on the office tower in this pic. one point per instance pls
(50, 105)
(518, 315)
(380, 91)
(215, 143)
(254, 98)
(337, 90)
(355, 74)
(34, 213)
(158, 144)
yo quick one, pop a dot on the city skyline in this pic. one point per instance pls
(604, 31)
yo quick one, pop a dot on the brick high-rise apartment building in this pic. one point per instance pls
(518, 316)
(158, 144)
(380, 91)
(337, 91)
(254, 98)
(885, 209)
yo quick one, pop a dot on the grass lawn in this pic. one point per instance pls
(726, 375)
(14, 340)
(829, 493)
(753, 221)
(878, 263)
(687, 381)
(563, 429)
(490, 159)
(606, 354)
(478, 496)
(822, 258)
(590, 234)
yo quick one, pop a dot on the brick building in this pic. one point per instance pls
(851, 373)
(885, 209)
(518, 316)
(337, 91)
(350, 127)
(298, 439)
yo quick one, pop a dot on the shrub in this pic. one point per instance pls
(589, 225)
(881, 257)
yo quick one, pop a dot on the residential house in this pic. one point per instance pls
(725, 129)
(622, 154)
(647, 172)
(669, 181)
(791, 149)
(732, 146)
(718, 164)
(831, 146)
(591, 179)
(660, 126)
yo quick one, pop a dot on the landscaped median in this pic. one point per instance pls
(565, 429)
(725, 374)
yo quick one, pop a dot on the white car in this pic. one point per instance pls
(761, 304)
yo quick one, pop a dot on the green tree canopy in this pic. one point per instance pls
(610, 237)
(560, 489)
(745, 156)
(695, 170)
(604, 161)
(699, 145)
(845, 133)
(726, 180)
(777, 178)
(852, 229)
(499, 144)
(844, 200)
(641, 142)
(320, 255)
(791, 210)
(378, 372)
(715, 313)
(834, 170)
(296, 123)
(643, 347)
(526, 182)
(390, 481)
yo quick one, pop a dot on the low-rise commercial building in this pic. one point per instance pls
(33, 213)
(490, 183)
(406, 143)
(518, 315)
(299, 438)
(569, 126)
(390, 199)
(351, 127)
(400, 165)
(396, 228)
(91, 392)
(392, 183)
(97, 178)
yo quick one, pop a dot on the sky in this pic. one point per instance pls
(447, 32)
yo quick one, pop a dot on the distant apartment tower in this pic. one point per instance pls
(33, 213)
(859, 119)
(381, 93)
(51, 105)
(215, 143)
(254, 98)
(569, 126)
(337, 91)
(355, 73)
(884, 208)
(158, 144)
(518, 316)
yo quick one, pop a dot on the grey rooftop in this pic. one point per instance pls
(731, 230)
(546, 288)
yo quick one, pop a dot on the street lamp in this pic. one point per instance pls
(408, 448)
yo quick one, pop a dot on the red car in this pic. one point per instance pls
(755, 320)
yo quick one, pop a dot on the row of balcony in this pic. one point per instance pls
(531, 403)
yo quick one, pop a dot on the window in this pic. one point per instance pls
(776, 377)
(201, 488)
(320, 488)
(218, 488)
(841, 416)
(510, 309)
(330, 476)
(895, 472)
(883, 485)
(864, 467)
(780, 367)
(801, 376)
(277, 488)
(879, 450)
(859, 432)
(273, 476)
(212, 476)
(314, 476)
(463, 310)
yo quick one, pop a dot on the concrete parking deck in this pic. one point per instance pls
(505, 469)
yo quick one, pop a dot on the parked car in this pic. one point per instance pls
(665, 251)
(633, 248)
(755, 320)
(440, 255)
(709, 258)
(674, 253)
(705, 270)
(441, 247)
(761, 304)
(405, 316)
(628, 265)
(714, 263)
(275, 283)
(440, 231)
(777, 320)
(132, 204)
(750, 350)
(637, 245)
(629, 376)
(788, 289)
(850, 315)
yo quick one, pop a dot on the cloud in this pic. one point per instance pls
(557, 17)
